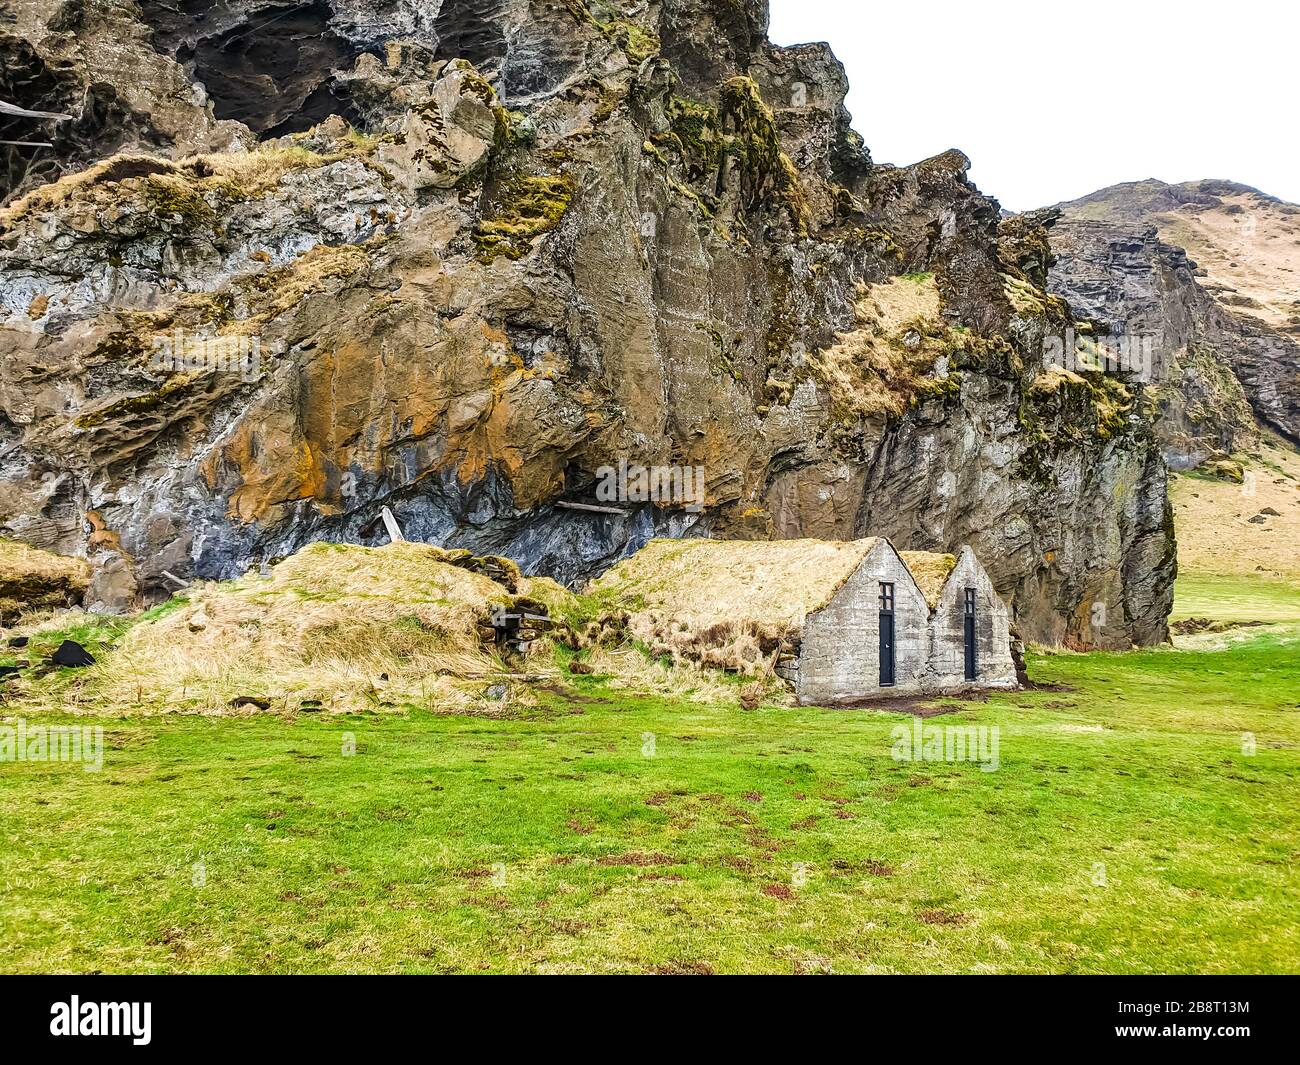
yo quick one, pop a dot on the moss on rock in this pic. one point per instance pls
(525, 206)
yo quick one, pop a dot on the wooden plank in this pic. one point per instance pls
(179, 580)
(593, 507)
(390, 523)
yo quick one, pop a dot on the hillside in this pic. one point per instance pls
(1210, 271)
(1245, 243)
(1241, 519)
(460, 266)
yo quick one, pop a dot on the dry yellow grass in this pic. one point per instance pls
(235, 175)
(874, 369)
(47, 197)
(31, 579)
(256, 172)
(777, 582)
(346, 627)
(1249, 249)
(1212, 518)
(686, 680)
(727, 603)
(930, 571)
(1029, 300)
(558, 600)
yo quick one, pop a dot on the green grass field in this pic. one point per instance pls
(1126, 829)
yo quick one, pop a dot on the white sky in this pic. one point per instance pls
(1054, 99)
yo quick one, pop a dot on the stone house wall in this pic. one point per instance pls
(839, 660)
(994, 667)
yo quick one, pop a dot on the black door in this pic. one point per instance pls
(886, 635)
(969, 619)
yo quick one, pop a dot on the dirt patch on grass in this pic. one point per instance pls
(872, 867)
(682, 968)
(637, 858)
(917, 707)
(571, 695)
(940, 916)
(1191, 626)
(778, 891)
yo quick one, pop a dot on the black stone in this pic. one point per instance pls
(71, 653)
(18, 641)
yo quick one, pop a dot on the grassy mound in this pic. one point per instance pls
(37, 580)
(339, 628)
(334, 627)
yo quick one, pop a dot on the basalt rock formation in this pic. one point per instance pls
(455, 259)
(1209, 271)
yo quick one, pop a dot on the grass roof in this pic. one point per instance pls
(774, 581)
(930, 571)
(727, 603)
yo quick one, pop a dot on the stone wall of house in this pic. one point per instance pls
(840, 657)
(994, 667)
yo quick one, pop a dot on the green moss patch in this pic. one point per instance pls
(523, 207)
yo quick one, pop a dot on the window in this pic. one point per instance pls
(970, 602)
(886, 597)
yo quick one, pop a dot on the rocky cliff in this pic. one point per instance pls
(1210, 271)
(458, 258)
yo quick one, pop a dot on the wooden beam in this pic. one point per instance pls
(7, 108)
(179, 580)
(390, 523)
(29, 144)
(592, 507)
